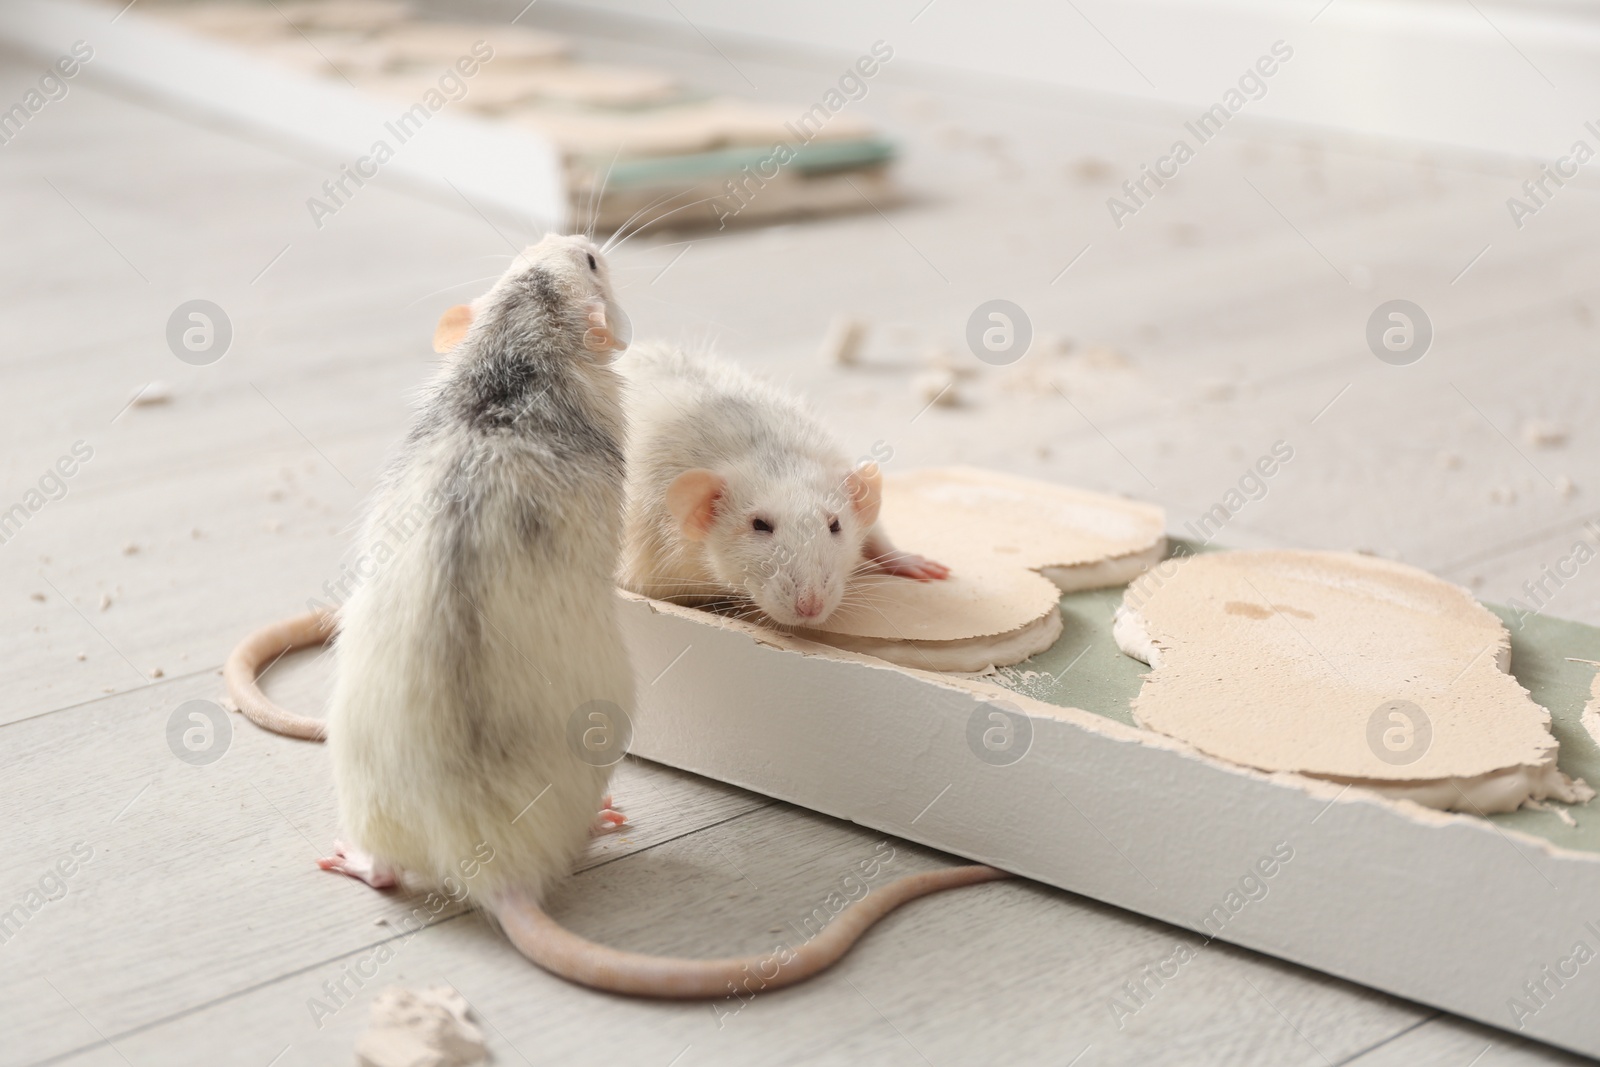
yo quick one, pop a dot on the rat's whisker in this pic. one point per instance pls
(645, 226)
(657, 202)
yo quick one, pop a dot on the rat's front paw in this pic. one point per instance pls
(911, 565)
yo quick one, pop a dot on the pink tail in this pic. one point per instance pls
(263, 647)
(563, 953)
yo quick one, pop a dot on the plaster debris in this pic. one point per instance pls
(1543, 434)
(361, 16)
(936, 387)
(1341, 666)
(1104, 357)
(1092, 171)
(82, 656)
(130, 549)
(238, 21)
(427, 1029)
(105, 601)
(40, 597)
(842, 344)
(439, 44)
(1013, 545)
(157, 672)
(150, 395)
(1565, 487)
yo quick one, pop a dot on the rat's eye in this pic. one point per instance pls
(833, 527)
(592, 264)
(760, 525)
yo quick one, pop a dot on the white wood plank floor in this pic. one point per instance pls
(200, 932)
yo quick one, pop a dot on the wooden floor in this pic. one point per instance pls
(199, 931)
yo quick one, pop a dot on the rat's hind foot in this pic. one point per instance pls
(910, 565)
(362, 865)
(609, 821)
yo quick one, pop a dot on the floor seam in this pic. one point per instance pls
(1353, 1057)
(110, 1040)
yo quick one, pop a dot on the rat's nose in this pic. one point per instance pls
(808, 605)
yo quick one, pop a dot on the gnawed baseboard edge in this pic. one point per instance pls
(1428, 905)
(496, 167)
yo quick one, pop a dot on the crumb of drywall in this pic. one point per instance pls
(82, 656)
(37, 596)
(1544, 434)
(105, 601)
(130, 549)
(157, 672)
(151, 394)
(1104, 357)
(1564, 486)
(429, 1028)
(1091, 170)
(936, 388)
(842, 345)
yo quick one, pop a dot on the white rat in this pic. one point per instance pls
(492, 624)
(486, 641)
(736, 491)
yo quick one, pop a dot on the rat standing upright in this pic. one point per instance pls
(479, 653)
(462, 660)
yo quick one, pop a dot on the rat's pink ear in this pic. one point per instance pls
(452, 327)
(692, 498)
(864, 485)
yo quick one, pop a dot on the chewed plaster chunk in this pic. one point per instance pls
(427, 1029)
(1012, 545)
(1340, 666)
(972, 655)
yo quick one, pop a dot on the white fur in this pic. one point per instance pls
(462, 662)
(695, 411)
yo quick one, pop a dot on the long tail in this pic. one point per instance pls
(265, 646)
(564, 953)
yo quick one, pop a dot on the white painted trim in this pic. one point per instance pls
(498, 168)
(1447, 910)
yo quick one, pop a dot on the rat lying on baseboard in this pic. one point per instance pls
(736, 492)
